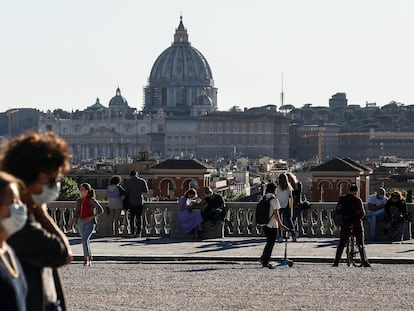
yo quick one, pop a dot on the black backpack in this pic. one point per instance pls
(343, 212)
(262, 211)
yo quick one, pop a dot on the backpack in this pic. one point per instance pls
(343, 211)
(263, 211)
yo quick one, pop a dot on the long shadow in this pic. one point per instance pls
(226, 245)
(330, 243)
(206, 245)
(406, 251)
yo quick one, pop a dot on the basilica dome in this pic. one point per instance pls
(178, 77)
(181, 62)
(118, 100)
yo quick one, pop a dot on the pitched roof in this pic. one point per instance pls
(337, 165)
(361, 166)
(172, 164)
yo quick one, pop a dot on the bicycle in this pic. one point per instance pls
(353, 257)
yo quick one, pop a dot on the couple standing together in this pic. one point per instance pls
(129, 197)
(284, 200)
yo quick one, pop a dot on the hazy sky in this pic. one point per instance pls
(65, 54)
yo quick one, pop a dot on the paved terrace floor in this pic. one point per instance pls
(224, 274)
(236, 249)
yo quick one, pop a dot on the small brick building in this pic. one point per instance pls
(171, 178)
(333, 178)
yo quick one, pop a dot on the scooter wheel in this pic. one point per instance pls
(290, 264)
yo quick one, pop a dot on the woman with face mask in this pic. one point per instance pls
(13, 216)
(39, 160)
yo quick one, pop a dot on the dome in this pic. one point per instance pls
(96, 106)
(118, 100)
(178, 77)
(181, 62)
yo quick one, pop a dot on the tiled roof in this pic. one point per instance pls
(337, 165)
(172, 164)
(364, 167)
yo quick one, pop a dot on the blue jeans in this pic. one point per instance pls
(371, 216)
(85, 230)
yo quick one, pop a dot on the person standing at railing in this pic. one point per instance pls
(272, 227)
(284, 195)
(115, 194)
(39, 160)
(357, 213)
(296, 197)
(88, 210)
(135, 187)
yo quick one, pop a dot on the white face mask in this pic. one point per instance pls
(17, 219)
(48, 194)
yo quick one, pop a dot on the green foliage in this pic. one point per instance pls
(69, 190)
(233, 196)
(394, 115)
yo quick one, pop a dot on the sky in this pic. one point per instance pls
(64, 54)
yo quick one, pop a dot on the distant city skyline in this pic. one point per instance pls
(65, 54)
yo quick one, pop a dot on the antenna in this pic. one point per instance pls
(282, 94)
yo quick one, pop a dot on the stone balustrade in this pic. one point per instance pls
(160, 217)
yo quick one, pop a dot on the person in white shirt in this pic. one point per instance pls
(284, 195)
(271, 228)
(376, 204)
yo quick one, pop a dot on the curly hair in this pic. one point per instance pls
(30, 154)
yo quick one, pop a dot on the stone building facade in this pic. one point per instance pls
(179, 117)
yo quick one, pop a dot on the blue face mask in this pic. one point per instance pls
(48, 194)
(17, 219)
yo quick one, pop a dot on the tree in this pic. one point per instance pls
(69, 190)
(235, 109)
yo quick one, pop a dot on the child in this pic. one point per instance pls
(13, 216)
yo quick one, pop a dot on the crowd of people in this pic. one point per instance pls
(32, 247)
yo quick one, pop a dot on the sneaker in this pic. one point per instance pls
(366, 265)
(269, 265)
(280, 239)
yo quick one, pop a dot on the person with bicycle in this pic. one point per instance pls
(354, 225)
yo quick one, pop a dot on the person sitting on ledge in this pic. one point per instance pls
(188, 218)
(215, 207)
(376, 204)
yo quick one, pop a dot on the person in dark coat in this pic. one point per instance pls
(358, 213)
(135, 187)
